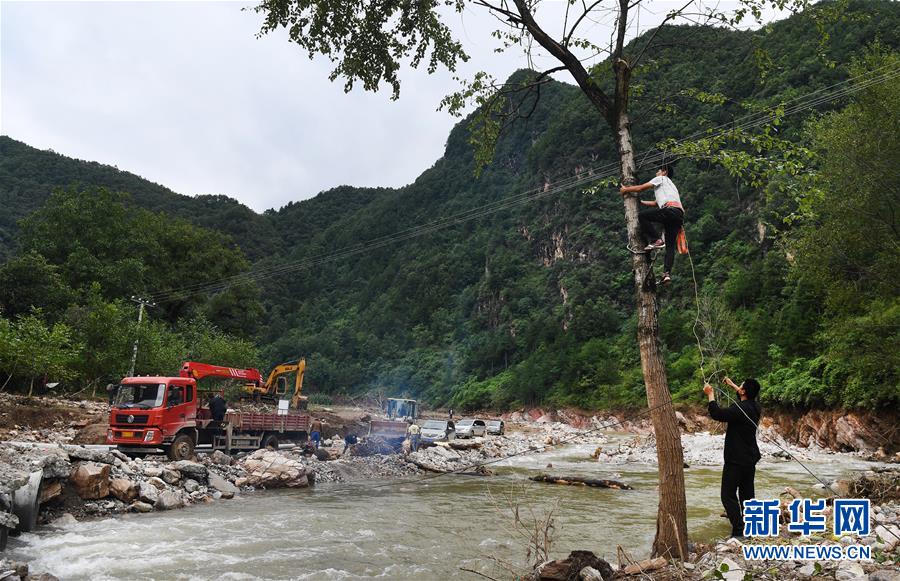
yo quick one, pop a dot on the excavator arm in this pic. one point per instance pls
(297, 400)
(270, 389)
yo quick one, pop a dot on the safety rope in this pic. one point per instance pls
(734, 402)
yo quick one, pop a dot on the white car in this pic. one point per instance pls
(437, 431)
(469, 428)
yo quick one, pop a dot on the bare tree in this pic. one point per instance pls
(370, 40)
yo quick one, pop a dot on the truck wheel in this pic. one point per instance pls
(182, 448)
(270, 442)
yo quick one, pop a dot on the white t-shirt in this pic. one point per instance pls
(665, 191)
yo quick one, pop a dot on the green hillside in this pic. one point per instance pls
(533, 303)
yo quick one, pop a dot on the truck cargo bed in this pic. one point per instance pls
(262, 422)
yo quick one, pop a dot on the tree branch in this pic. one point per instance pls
(596, 95)
(669, 16)
(510, 15)
(587, 10)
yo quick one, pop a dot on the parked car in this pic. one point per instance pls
(468, 428)
(496, 427)
(437, 431)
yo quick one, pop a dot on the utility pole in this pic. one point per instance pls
(143, 303)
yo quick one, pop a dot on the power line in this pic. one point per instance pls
(598, 173)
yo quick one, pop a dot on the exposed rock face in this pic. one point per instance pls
(90, 480)
(269, 469)
(124, 489)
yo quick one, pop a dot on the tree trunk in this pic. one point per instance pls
(671, 521)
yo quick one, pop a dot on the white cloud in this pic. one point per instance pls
(184, 94)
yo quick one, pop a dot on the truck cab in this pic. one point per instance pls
(152, 413)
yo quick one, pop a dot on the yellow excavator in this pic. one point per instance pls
(276, 386)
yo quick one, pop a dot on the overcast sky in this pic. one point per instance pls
(183, 94)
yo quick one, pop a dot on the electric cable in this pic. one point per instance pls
(591, 175)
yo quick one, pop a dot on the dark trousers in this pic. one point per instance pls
(737, 487)
(672, 220)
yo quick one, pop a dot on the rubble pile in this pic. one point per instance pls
(15, 571)
(463, 455)
(46, 419)
(700, 449)
(354, 468)
(80, 482)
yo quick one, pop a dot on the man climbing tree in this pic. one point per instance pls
(666, 209)
(370, 41)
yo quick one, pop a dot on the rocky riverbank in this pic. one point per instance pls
(870, 435)
(725, 560)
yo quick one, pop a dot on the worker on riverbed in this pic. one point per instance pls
(413, 431)
(315, 432)
(741, 449)
(217, 407)
(350, 439)
(666, 210)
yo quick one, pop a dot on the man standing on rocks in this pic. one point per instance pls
(315, 432)
(413, 431)
(741, 449)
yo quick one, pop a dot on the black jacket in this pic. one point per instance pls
(217, 408)
(740, 437)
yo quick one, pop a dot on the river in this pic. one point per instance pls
(424, 530)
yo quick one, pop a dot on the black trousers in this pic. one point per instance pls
(672, 220)
(737, 487)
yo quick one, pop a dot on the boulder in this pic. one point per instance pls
(8, 520)
(169, 500)
(195, 470)
(90, 480)
(889, 535)
(191, 485)
(171, 476)
(216, 482)
(159, 483)
(124, 489)
(221, 458)
(848, 570)
(139, 506)
(65, 519)
(150, 471)
(89, 455)
(271, 469)
(148, 493)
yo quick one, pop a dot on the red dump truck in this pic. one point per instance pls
(153, 414)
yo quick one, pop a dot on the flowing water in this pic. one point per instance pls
(426, 530)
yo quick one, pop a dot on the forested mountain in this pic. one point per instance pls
(532, 303)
